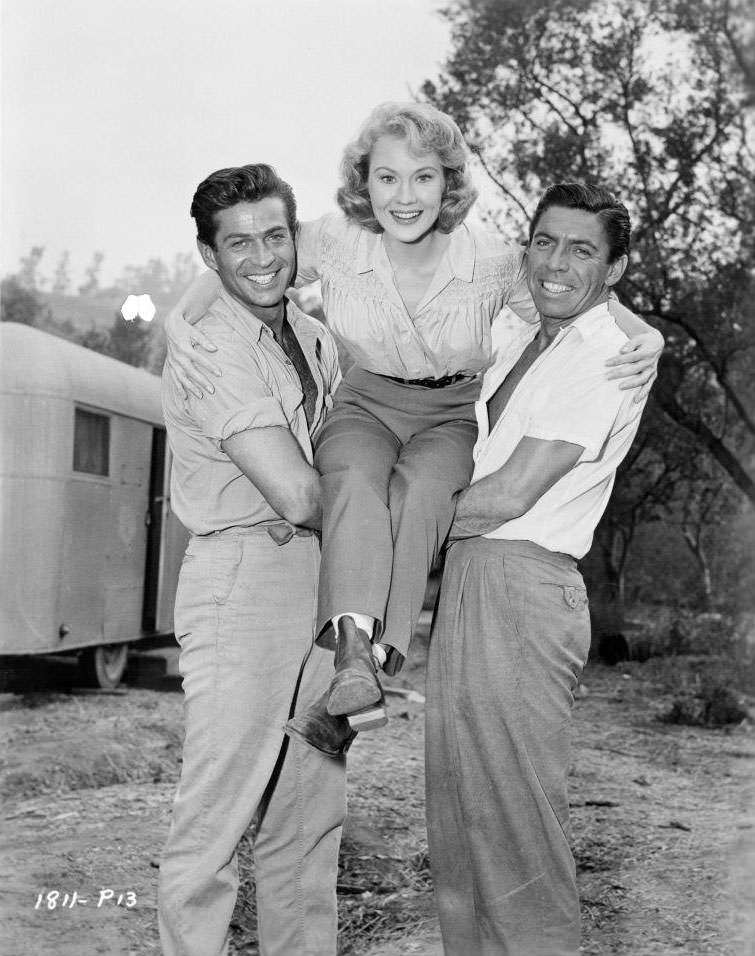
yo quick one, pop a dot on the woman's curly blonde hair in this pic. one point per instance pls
(425, 130)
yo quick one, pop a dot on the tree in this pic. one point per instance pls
(702, 503)
(645, 489)
(654, 99)
(21, 304)
(91, 283)
(154, 278)
(28, 274)
(130, 342)
(62, 281)
(163, 282)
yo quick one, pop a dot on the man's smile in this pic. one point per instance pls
(555, 288)
(266, 279)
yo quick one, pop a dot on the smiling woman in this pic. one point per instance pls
(405, 191)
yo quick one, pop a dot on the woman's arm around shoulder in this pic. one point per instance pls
(637, 361)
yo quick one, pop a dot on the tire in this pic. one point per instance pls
(103, 666)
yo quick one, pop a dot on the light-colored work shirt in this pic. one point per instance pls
(449, 333)
(259, 388)
(563, 396)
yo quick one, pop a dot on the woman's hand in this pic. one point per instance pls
(186, 363)
(637, 362)
(188, 367)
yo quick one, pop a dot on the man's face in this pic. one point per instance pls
(254, 253)
(568, 271)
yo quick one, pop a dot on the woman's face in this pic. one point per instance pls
(405, 190)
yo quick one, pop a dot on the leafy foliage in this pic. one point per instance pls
(653, 98)
(19, 303)
(135, 343)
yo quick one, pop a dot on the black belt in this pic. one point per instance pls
(430, 382)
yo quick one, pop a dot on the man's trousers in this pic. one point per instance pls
(391, 456)
(509, 643)
(245, 612)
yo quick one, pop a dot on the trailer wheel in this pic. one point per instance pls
(103, 665)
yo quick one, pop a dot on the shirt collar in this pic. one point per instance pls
(246, 322)
(461, 252)
(511, 335)
(586, 323)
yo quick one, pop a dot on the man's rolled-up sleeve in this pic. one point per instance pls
(242, 398)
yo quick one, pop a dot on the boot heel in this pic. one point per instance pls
(368, 718)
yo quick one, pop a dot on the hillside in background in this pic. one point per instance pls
(86, 313)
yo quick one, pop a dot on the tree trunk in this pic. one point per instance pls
(694, 543)
(607, 592)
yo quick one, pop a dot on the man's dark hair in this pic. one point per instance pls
(596, 199)
(228, 187)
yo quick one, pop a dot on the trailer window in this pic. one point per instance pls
(91, 443)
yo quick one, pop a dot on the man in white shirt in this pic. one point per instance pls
(512, 631)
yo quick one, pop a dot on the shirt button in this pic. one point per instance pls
(288, 362)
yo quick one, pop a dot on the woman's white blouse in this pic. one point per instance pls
(449, 333)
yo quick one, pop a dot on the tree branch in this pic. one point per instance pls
(504, 189)
(693, 424)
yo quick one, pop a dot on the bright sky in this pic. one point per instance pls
(113, 111)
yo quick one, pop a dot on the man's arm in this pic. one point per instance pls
(534, 467)
(249, 421)
(273, 461)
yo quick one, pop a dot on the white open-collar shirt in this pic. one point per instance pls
(563, 396)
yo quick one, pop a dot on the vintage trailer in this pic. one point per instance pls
(89, 548)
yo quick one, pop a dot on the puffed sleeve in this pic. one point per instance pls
(308, 241)
(519, 298)
(331, 363)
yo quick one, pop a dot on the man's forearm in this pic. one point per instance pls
(308, 513)
(273, 461)
(482, 508)
(534, 466)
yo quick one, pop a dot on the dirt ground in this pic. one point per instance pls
(663, 822)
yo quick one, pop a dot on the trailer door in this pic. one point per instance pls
(166, 542)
